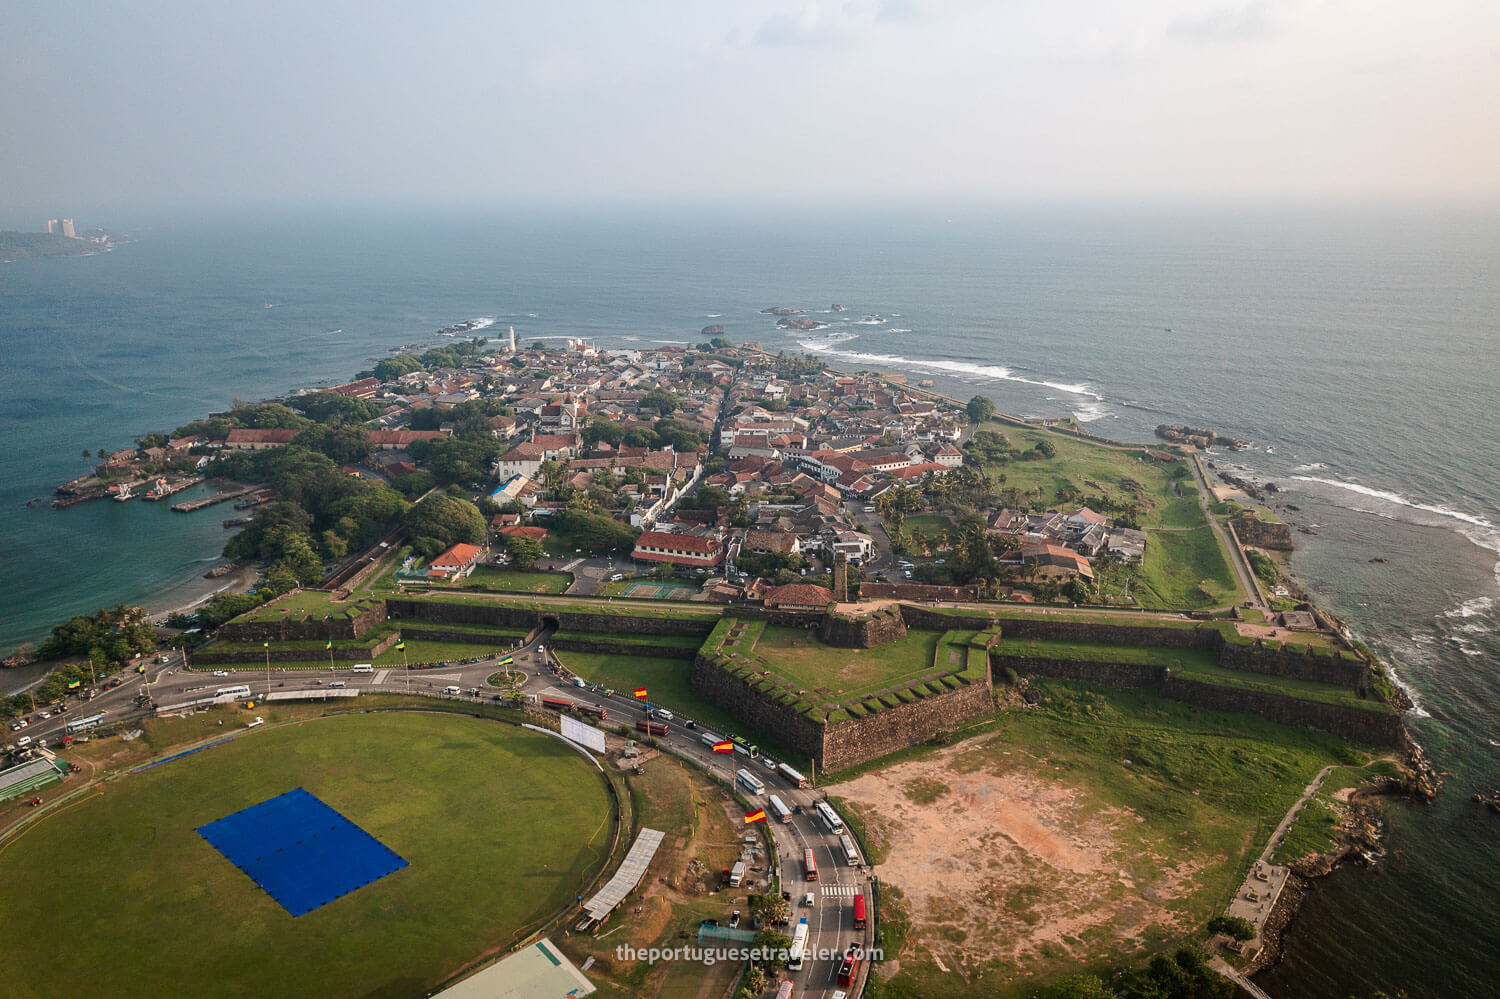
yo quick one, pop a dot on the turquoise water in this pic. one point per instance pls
(1356, 349)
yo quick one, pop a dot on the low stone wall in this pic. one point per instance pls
(212, 655)
(849, 632)
(1302, 665)
(790, 729)
(1039, 629)
(305, 629)
(585, 643)
(925, 619)
(567, 619)
(1374, 727)
(1114, 674)
(859, 740)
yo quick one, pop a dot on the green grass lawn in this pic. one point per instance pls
(1186, 569)
(296, 606)
(802, 658)
(117, 895)
(1100, 652)
(502, 580)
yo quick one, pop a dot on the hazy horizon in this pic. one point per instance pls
(129, 111)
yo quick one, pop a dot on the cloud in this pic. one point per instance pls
(811, 27)
(1249, 23)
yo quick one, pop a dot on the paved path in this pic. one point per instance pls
(1222, 967)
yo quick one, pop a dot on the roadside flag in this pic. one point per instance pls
(265, 645)
(723, 746)
(505, 660)
(759, 815)
(640, 693)
(328, 645)
(401, 645)
(75, 684)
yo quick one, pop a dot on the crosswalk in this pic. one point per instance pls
(838, 890)
(381, 675)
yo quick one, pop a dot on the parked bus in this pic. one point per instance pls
(830, 818)
(859, 912)
(651, 728)
(851, 855)
(238, 693)
(556, 704)
(594, 711)
(849, 968)
(783, 813)
(749, 781)
(798, 947)
(792, 776)
(85, 724)
(809, 865)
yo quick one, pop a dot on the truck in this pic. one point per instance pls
(737, 874)
(651, 728)
(555, 704)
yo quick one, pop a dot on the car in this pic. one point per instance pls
(541, 650)
(734, 919)
(807, 899)
(906, 574)
(25, 740)
(221, 672)
(689, 723)
(17, 725)
(45, 714)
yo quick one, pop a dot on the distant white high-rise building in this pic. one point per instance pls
(67, 227)
(52, 226)
(512, 339)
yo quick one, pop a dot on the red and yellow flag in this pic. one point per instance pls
(759, 815)
(723, 746)
(640, 693)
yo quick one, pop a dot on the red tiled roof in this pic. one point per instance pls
(677, 542)
(800, 595)
(456, 557)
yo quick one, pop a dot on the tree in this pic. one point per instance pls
(776, 944)
(523, 552)
(1237, 927)
(1078, 987)
(440, 521)
(980, 408)
(1076, 591)
(1045, 448)
(600, 429)
(661, 400)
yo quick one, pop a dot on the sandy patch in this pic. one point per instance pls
(1007, 861)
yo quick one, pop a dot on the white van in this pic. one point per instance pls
(453, 689)
(362, 668)
(664, 714)
(339, 683)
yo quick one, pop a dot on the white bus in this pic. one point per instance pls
(238, 693)
(799, 945)
(709, 739)
(85, 724)
(783, 813)
(851, 855)
(362, 668)
(751, 782)
(792, 776)
(830, 818)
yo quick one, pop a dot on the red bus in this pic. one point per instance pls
(859, 912)
(850, 966)
(809, 866)
(557, 704)
(651, 728)
(594, 711)
(784, 990)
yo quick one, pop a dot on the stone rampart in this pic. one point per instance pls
(1379, 728)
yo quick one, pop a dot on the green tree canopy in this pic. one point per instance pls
(440, 521)
(980, 408)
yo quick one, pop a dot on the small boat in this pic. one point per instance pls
(269, 305)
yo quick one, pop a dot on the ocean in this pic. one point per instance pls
(1356, 347)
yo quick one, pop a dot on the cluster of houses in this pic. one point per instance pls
(1059, 546)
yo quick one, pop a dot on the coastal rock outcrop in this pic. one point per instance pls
(1259, 534)
(800, 324)
(781, 310)
(1198, 437)
(711, 330)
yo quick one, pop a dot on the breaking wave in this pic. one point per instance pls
(995, 371)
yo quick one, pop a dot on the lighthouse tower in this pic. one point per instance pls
(512, 339)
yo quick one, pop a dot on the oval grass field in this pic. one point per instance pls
(118, 895)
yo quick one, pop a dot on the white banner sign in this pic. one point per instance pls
(585, 735)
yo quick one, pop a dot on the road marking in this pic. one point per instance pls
(441, 676)
(840, 891)
(380, 676)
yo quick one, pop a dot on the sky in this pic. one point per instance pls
(112, 107)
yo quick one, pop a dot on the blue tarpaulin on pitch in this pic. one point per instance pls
(299, 851)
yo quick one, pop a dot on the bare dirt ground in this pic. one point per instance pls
(1000, 862)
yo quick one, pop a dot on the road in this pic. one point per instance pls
(830, 918)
